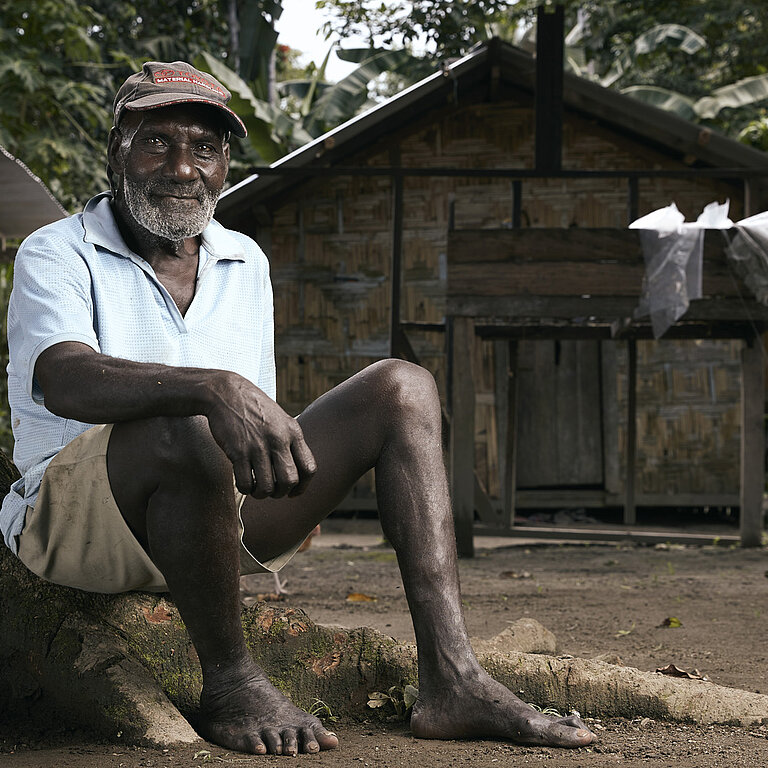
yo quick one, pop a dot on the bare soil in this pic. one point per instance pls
(608, 601)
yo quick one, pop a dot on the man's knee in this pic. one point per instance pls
(173, 445)
(410, 392)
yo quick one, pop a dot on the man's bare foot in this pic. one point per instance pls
(484, 708)
(252, 716)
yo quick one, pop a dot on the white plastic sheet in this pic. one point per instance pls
(672, 251)
(748, 253)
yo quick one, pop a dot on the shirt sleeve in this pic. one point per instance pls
(50, 303)
(267, 376)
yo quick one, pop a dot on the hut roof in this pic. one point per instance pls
(497, 70)
(25, 202)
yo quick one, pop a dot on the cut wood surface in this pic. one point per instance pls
(568, 262)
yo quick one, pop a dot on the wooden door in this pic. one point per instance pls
(559, 415)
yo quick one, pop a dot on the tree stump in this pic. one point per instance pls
(123, 665)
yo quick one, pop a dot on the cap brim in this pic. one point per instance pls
(157, 100)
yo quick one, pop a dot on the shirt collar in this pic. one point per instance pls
(101, 229)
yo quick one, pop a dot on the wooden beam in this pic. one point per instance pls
(610, 425)
(550, 26)
(461, 351)
(487, 511)
(602, 534)
(752, 443)
(713, 318)
(509, 490)
(517, 204)
(397, 252)
(630, 511)
(633, 199)
(575, 244)
(505, 386)
(501, 403)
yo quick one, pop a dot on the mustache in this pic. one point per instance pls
(194, 189)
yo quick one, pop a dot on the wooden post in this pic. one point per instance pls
(550, 25)
(397, 255)
(611, 452)
(752, 443)
(748, 197)
(633, 198)
(501, 403)
(510, 458)
(461, 350)
(630, 512)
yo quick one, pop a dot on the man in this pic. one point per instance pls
(144, 317)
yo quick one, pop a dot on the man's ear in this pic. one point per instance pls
(113, 150)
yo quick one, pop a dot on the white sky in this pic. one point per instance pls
(299, 27)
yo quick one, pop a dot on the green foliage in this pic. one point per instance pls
(448, 28)
(755, 132)
(310, 106)
(61, 62)
(398, 700)
(6, 435)
(51, 101)
(707, 60)
(722, 79)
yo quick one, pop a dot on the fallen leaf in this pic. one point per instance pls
(410, 694)
(270, 597)
(625, 632)
(674, 671)
(377, 699)
(159, 616)
(360, 597)
(672, 622)
(515, 575)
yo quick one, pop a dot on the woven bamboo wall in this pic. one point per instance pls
(331, 249)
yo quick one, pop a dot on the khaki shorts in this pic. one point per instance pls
(76, 536)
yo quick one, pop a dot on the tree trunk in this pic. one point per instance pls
(123, 665)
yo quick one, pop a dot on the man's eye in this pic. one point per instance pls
(205, 149)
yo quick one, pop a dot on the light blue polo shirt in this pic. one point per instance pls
(77, 280)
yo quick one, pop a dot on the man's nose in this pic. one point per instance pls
(180, 164)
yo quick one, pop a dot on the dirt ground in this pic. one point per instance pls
(598, 599)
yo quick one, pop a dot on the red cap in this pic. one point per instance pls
(161, 84)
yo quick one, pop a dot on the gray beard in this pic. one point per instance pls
(172, 219)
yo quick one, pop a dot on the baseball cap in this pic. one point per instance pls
(160, 84)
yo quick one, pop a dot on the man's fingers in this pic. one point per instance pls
(243, 476)
(285, 472)
(263, 480)
(305, 465)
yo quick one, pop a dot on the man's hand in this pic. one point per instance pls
(265, 445)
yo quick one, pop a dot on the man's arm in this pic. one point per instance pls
(264, 444)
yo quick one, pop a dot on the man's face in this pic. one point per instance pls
(173, 163)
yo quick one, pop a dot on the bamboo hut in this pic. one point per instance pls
(476, 222)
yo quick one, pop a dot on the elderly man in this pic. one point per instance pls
(153, 453)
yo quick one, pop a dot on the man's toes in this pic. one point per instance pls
(290, 742)
(307, 741)
(575, 737)
(572, 720)
(271, 738)
(326, 739)
(255, 746)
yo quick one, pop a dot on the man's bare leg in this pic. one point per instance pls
(174, 487)
(388, 417)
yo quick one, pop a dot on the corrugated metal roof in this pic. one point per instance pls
(26, 204)
(518, 68)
